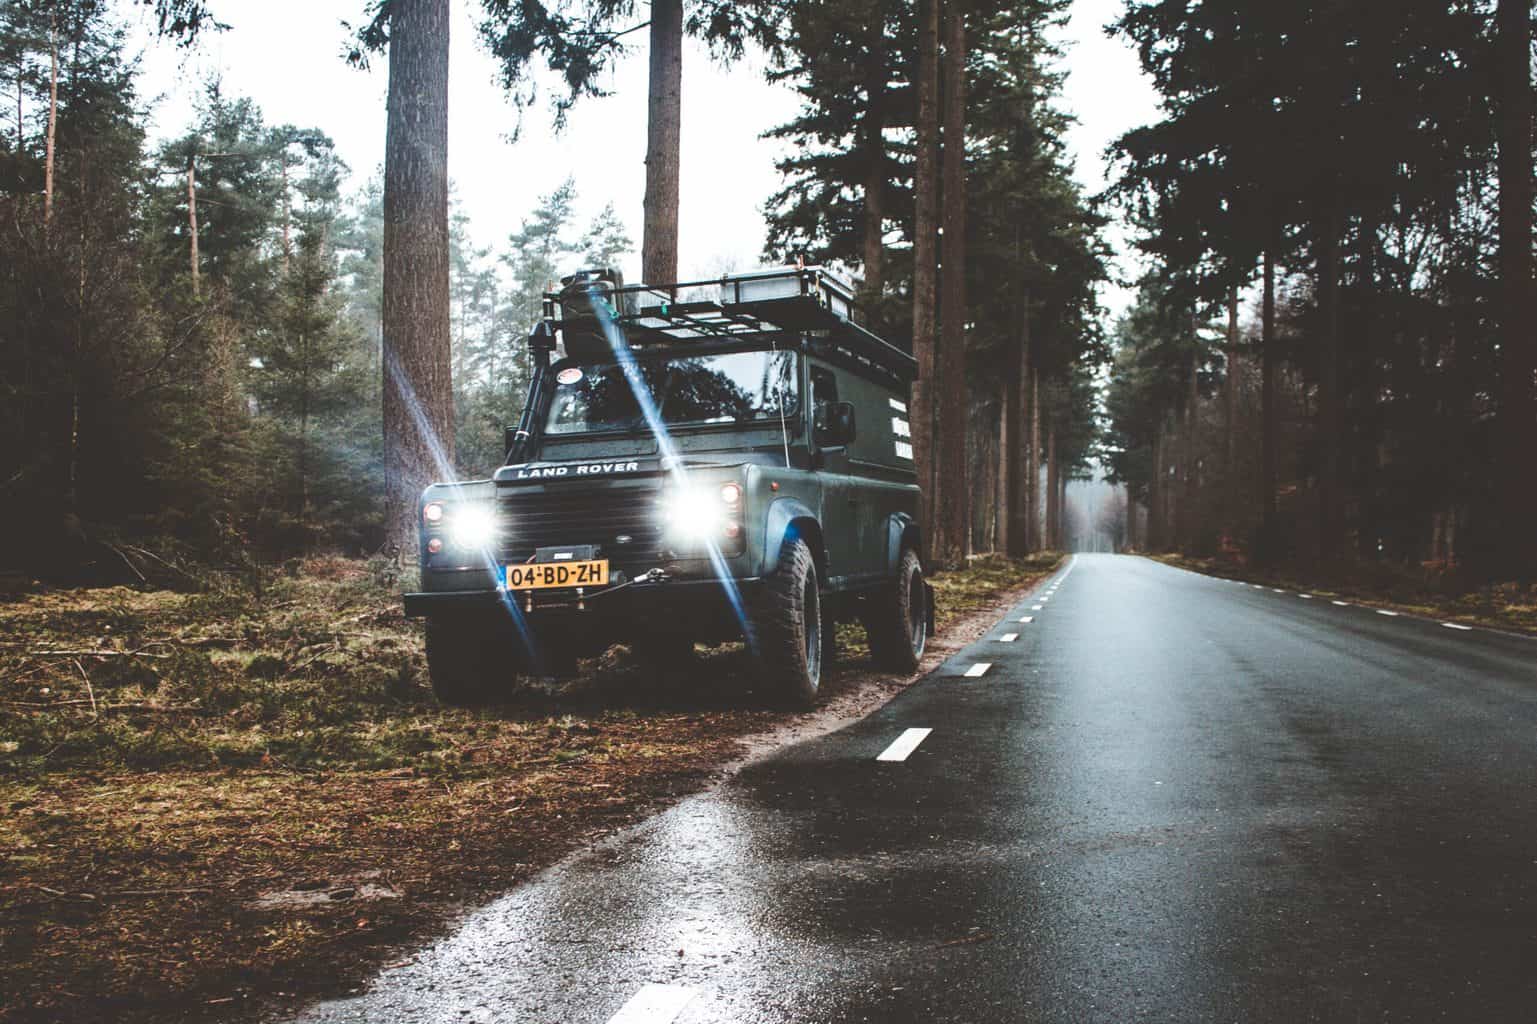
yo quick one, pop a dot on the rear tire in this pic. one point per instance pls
(897, 619)
(787, 626)
(473, 661)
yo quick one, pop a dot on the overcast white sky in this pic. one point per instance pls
(286, 55)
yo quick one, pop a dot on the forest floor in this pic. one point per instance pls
(218, 802)
(1427, 592)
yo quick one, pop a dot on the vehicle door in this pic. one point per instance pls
(839, 501)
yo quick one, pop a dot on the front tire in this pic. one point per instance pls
(897, 619)
(473, 661)
(787, 626)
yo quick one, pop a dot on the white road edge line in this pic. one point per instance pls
(899, 750)
(1008, 638)
(655, 1004)
(1384, 611)
(1457, 625)
(978, 670)
(1027, 619)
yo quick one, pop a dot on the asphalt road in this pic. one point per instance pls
(1170, 797)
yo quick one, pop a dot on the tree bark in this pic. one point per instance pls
(418, 399)
(1269, 519)
(952, 493)
(874, 229)
(1155, 490)
(1053, 538)
(1033, 541)
(192, 223)
(664, 119)
(1230, 419)
(1004, 503)
(1330, 426)
(53, 121)
(925, 236)
(1518, 347)
(1020, 532)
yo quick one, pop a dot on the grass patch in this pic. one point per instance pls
(181, 775)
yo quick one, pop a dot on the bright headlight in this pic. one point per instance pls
(695, 514)
(472, 526)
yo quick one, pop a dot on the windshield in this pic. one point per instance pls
(736, 387)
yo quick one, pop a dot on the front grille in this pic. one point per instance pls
(551, 515)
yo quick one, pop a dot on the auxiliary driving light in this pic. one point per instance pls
(472, 526)
(432, 513)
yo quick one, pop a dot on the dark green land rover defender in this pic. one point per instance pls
(695, 463)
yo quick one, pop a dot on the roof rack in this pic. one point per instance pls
(789, 302)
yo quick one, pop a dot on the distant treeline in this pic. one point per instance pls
(1333, 356)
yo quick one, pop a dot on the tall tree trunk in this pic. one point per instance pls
(1518, 344)
(664, 119)
(874, 228)
(925, 237)
(1330, 422)
(192, 223)
(1033, 541)
(53, 120)
(1053, 526)
(1269, 417)
(1233, 495)
(952, 493)
(418, 396)
(1004, 503)
(1020, 532)
(287, 211)
(1191, 540)
(1155, 488)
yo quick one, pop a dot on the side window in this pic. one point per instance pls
(824, 395)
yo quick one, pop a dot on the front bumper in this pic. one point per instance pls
(635, 605)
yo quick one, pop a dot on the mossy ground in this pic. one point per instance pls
(215, 800)
(1428, 591)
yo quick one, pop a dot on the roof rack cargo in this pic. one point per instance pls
(809, 303)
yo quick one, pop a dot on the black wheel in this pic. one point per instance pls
(897, 619)
(473, 661)
(787, 627)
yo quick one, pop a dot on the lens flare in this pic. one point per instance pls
(447, 473)
(625, 359)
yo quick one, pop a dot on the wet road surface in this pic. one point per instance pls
(1168, 797)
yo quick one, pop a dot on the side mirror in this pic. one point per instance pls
(835, 424)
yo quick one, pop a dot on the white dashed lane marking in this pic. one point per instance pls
(978, 670)
(1008, 638)
(1384, 611)
(1037, 607)
(1306, 597)
(1343, 604)
(1457, 625)
(898, 751)
(1027, 619)
(655, 1004)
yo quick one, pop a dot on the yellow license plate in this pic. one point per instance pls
(544, 575)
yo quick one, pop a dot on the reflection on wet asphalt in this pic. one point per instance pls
(1170, 798)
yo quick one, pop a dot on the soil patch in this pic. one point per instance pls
(214, 803)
